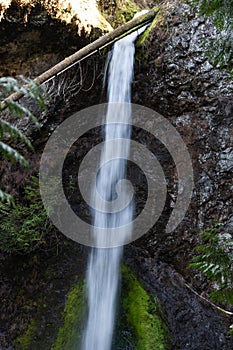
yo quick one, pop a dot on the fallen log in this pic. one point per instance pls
(88, 50)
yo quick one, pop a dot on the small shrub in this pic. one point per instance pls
(23, 225)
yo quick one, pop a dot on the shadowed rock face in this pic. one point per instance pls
(177, 81)
(174, 78)
(31, 48)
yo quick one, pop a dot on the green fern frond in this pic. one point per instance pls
(215, 259)
(7, 198)
(9, 85)
(11, 154)
(21, 111)
(35, 91)
(223, 295)
(10, 132)
(14, 132)
(29, 88)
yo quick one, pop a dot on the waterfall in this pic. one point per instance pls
(103, 268)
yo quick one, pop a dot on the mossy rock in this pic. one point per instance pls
(149, 32)
(70, 333)
(118, 12)
(25, 340)
(140, 320)
(125, 11)
(144, 315)
(140, 323)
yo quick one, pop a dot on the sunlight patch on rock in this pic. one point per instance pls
(83, 13)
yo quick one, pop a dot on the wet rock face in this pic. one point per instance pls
(193, 322)
(175, 79)
(203, 118)
(178, 81)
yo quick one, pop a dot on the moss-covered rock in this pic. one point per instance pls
(157, 21)
(24, 341)
(144, 314)
(69, 334)
(118, 12)
(125, 10)
(141, 325)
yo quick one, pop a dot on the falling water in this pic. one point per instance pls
(103, 269)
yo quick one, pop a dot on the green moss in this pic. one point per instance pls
(24, 341)
(158, 20)
(24, 226)
(144, 315)
(125, 11)
(118, 12)
(69, 334)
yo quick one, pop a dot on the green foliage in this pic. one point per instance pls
(144, 315)
(125, 10)
(215, 259)
(221, 10)
(118, 11)
(4, 197)
(23, 225)
(157, 20)
(9, 132)
(73, 314)
(24, 341)
(219, 49)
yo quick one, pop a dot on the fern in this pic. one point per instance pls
(8, 131)
(13, 132)
(11, 154)
(223, 295)
(7, 198)
(29, 88)
(215, 259)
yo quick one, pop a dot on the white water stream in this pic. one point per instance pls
(104, 263)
